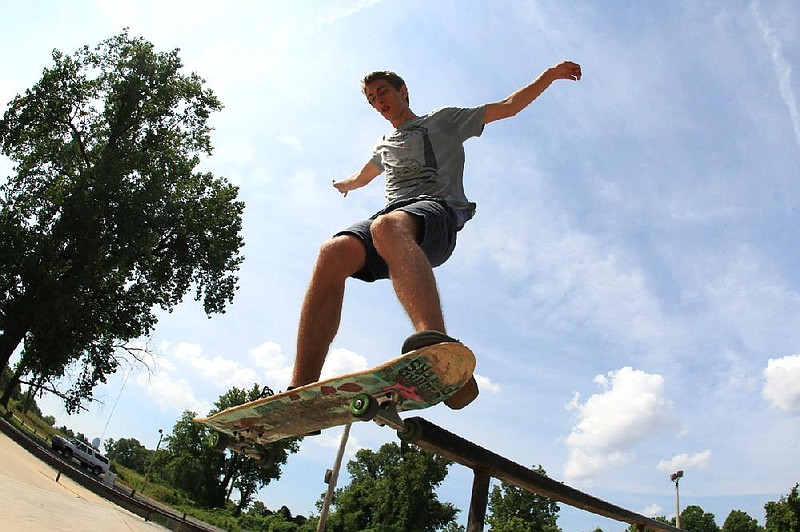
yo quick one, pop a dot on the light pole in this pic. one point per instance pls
(675, 477)
(153, 459)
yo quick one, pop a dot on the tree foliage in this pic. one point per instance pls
(128, 452)
(694, 519)
(660, 519)
(210, 477)
(739, 521)
(513, 509)
(106, 217)
(258, 517)
(392, 490)
(784, 515)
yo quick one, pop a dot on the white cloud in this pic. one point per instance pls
(171, 394)
(486, 385)
(342, 361)
(292, 141)
(339, 12)
(306, 184)
(218, 369)
(782, 383)
(574, 278)
(739, 377)
(331, 439)
(631, 408)
(165, 365)
(187, 351)
(269, 358)
(781, 67)
(685, 461)
(583, 467)
(748, 297)
(652, 510)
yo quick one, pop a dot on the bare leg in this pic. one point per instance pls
(395, 238)
(321, 313)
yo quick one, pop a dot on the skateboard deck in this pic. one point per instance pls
(416, 380)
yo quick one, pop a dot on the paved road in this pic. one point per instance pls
(32, 500)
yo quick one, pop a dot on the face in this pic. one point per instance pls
(388, 101)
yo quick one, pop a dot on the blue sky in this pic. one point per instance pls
(630, 283)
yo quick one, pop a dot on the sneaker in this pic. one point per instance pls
(422, 339)
(467, 393)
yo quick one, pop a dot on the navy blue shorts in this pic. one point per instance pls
(438, 235)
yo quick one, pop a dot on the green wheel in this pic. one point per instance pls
(411, 432)
(364, 407)
(220, 441)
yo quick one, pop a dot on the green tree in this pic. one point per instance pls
(191, 465)
(210, 477)
(660, 519)
(392, 490)
(784, 515)
(258, 517)
(129, 452)
(694, 519)
(739, 521)
(106, 217)
(513, 509)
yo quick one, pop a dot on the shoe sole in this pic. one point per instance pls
(468, 392)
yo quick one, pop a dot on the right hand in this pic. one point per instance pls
(341, 186)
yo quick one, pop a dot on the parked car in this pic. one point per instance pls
(87, 456)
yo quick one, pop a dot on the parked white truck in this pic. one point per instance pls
(88, 457)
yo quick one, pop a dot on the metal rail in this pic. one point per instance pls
(486, 464)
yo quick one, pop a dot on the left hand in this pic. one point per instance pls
(567, 70)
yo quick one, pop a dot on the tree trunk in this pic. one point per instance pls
(227, 483)
(12, 383)
(244, 501)
(10, 339)
(33, 389)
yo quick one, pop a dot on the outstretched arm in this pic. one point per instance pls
(359, 179)
(524, 96)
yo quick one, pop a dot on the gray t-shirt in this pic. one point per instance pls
(425, 157)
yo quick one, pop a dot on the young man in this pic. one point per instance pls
(423, 159)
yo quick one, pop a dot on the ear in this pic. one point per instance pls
(404, 93)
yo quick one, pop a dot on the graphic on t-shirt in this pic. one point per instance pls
(410, 161)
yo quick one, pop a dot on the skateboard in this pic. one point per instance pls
(419, 379)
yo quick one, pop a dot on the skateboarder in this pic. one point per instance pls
(423, 162)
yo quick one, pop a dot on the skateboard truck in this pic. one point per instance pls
(263, 454)
(365, 407)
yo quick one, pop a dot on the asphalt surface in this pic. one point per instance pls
(32, 500)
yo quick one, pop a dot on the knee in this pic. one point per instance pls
(393, 228)
(341, 256)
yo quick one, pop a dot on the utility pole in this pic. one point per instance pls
(153, 459)
(331, 477)
(675, 477)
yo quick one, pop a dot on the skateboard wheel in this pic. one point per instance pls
(364, 407)
(266, 456)
(220, 441)
(412, 431)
